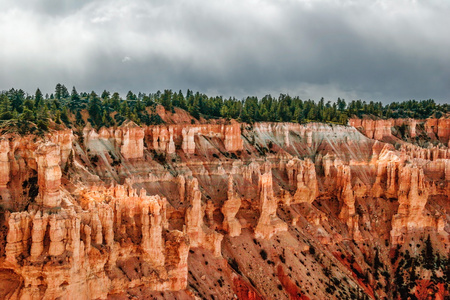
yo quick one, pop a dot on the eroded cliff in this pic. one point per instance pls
(262, 211)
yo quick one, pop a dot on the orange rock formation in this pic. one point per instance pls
(183, 211)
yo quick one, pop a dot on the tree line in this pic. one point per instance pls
(109, 109)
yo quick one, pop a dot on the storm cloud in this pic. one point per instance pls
(372, 50)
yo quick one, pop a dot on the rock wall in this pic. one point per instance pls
(438, 127)
(162, 139)
(4, 163)
(86, 250)
(188, 144)
(413, 195)
(232, 137)
(381, 129)
(229, 210)
(310, 186)
(199, 234)
(345, 192)
(373, 129)
(165, 138)
(128, 139)
(268, 222)
(64, 139)
(49, 174)
(133, 141)
(302, 174)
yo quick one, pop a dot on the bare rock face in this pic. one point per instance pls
(128, 139)
(229, 209)
(345, 194)
(373, 129)
(88, 248)
(188, 140)
(63, 138)
(303, 175)
(17, 235)
(447, 170)
(413, 193)
(171, 144)
(133, 141)
(162, 138)
(4, 163)
(249, 171)
(412, 196)
(49, 174)
(194, 214)
(153, 220)
(268, 223)
(38, 231)
(386, 182)
(443, 130)
(412, 128)
(232, 140)
(177, 250)
(199, 234)
(382, 129)
(172, 137)
(309, 138)
(228, 204)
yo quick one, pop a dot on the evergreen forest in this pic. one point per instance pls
(33, 112)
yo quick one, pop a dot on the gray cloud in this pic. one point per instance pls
(373, 50)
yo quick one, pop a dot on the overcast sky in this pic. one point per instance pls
(386, 50)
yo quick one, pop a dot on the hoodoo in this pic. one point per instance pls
(261, 211)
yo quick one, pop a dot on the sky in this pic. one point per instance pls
(380, 50)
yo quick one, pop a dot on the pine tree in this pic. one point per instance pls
(115, 101)
(58, 91)
(65, 115)
(5, 107)
(64, 92)
(194, 109)
(17, 97)
(58, 117)
(105, 95)
(95, 109)
(27, 115)
(124, 108)
(131, 96)
(429, 255)
(79, 119)
(74, 99)
(181, 100)
(166, 99)
(38, 99)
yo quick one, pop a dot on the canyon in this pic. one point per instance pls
(227, 210)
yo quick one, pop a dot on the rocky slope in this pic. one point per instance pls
(223, 211)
